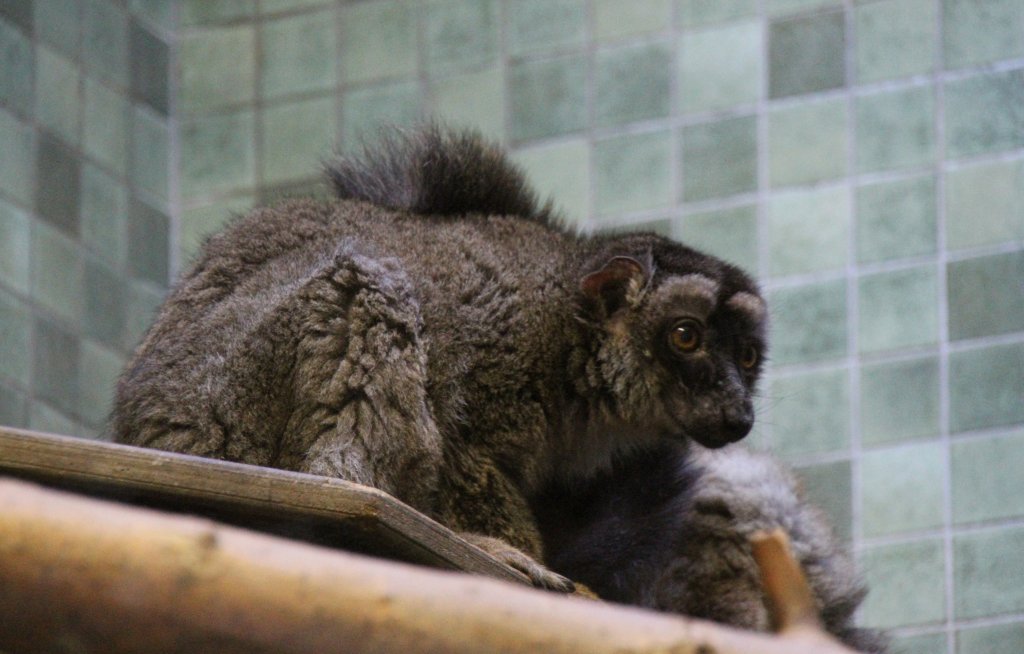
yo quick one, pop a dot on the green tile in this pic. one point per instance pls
(899, 401)
(895, 38)
(829, 487)
(809, 322)
(13, 408)
(977, 119)
(782, 7)
(297, 54)
(987, 484)
(547, 97)
(907, 582)
(48, 420)
(985, 295)
(806, 54)
(98, 369)
(985, 204)
(14, 247)
(105, 134)
(730, 234)
(17, 158)
(148, 243)
(15, 338)
(898, 309)
(57, 23)
(721, 67)
(55, 365)
(213, 12)
(808, 230)
(57, 272)
(614, 18)
(631, 83)
(200, 222)
(315, 189)
(296, 136)
(472, 99)
(57, 184)
(143, 301)
(17, 60)
(151, 156)
(694, 13)
(378, 40)
(105, 41)
(719, 158)
(902, 489)
(105, 304)
(920, 644)
(896, 219)
(984, 387)
(104, 218)
(460, 35)
(996, 639)
(811, 414)
(539, 25)
(217, 154)
(57, 94)
(895, 130)
(366, 110)
(988, 573)
(18, 12)
(287, 5)
(560, 171)
(633, 172)
(978, 32)
(157, 14)
(807, 142)
(218, 68)
(148, 58)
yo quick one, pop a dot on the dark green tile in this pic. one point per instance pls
(631, 83)
(15, 338)
(98, 369)
(903, 489)
(297, 54)
(984, 387)
(150, 152)
(985, 295)
(148, 243)
(105, 304)
(57, 23)
(895, 38)
(55, 365)
(296, 136)
(719, 158)
(17, 158)
(559, 171)
(808, 142)
(143, 301)
(13, 407)
(378, 40)
(829, 487)
(978, 32)
(106, 116)
(987, 484)
(694, 13)
(615, 19)
(988, 573)
(49, 420)
(633, 172)
(105, 41)
(985, 204)
(899, 309)
(218, 68)
(57, 98)
(104, 219)
(808, 230)
(806, 54)
(460, 35)
(58, 193)
(896, 219)
(978, 118)
(895, 130)
(18, 12)
(57, 272)
(538, 25)
(995, 639)
(727, 233)
(809, 322)
(907, 582)
(17, 60)
(148, 58)
(899, 401)
(811, 413)
(216, 12)
(721, 67)
(14, 247)
(365, 110)
(472, 99)
(547, 97)
(921, 644)
(217, 154)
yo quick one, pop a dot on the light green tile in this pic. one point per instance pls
(898, 309)
(288, 5)
(995, 639)
(17, 158)
(920, 644)
(984, 387)
(106, 115)
(985, 204)
(983, 113)
(15, 338)
(213, 12)
(105, 41)
(460, 35)
(104, 217)
(365, 110)
(693, 13)
(58, 22)
(809, 322)
(978, 32)
(49, 420)
(782, 7)
(14, 247)
(808, 231)
(988, 573)
(378, 40)
(899, 401)
(632, 83)
(55, 366)
(560, 171)
(217, 154)
(540, 25)
(143, 301)
(807, 142)
(158, 14)
(719, 158)
(298, 54)
(987, 484)
(985, 295)
(721, 67)
(296, 137)
(98, 369)
(17, 58)
(902, 488)
(198, 223)
(614, 18)
(56, 272)
(907, 583)
(806, 54)
(828, 486)
(547, 97)
(895, 38)
(13, 408)
(730, 234)
(895, 130)
(812, 412)
(57, 94)
(218, 68)
(472, 99)
(896, 219)
(632, 173)
(150, 152)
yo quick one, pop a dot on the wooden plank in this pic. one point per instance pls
(316, 509)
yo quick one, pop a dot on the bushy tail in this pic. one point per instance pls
(438, 171)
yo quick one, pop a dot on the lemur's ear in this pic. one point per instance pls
(618, 281)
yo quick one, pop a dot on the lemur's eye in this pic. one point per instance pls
(685, 336)
(749, 357)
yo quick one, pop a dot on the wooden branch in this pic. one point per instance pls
(80, 574)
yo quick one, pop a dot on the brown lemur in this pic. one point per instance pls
(438, 334)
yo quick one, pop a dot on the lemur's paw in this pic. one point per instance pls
(539, 575)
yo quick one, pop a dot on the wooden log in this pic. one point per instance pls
(85, 575)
